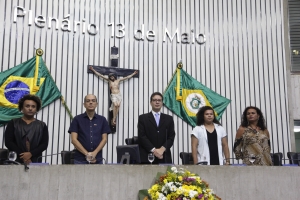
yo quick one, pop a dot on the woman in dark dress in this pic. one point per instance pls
(27, 136)
(209, 139)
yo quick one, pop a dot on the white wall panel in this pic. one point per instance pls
(243, 59)
(295, 86)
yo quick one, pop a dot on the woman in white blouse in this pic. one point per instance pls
(209, 139)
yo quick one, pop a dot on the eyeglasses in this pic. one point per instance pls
(157, 100)
(90, 100)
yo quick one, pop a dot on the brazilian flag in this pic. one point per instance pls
(185, 95)
(30, 77)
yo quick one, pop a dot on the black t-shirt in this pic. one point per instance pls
(212, 139)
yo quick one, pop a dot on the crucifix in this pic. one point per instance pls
(113, 72)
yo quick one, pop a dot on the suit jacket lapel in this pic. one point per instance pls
(151, 119)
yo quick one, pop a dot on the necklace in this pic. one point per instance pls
(254, 129)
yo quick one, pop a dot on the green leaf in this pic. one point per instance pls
(142, 194)
(159, 174)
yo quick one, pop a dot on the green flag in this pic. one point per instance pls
(30, 77)
(185, 95)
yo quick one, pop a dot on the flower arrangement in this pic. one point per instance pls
(180, 185)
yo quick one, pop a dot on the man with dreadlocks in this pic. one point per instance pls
(115, 95)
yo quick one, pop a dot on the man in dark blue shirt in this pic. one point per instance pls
(89, 133)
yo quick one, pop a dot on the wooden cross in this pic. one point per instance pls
(114, 60)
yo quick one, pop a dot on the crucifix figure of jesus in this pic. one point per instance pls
(115, 95)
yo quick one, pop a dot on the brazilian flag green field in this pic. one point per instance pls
(30, 77)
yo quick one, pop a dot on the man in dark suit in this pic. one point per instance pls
(156, 132)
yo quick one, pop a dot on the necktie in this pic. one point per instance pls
(157, 118)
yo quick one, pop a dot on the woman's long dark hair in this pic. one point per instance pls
(200, 115)
(261, 120)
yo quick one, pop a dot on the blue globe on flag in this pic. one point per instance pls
(15, 90)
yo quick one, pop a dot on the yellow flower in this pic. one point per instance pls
(169, 196)
(185, 187)
(211, 197)
(192, 187)
(154, 187)
(156, 195)
(186, 193)
(199, 190)
(188, 189)
(180, 178)
(198, 180)
(151, 193)
(179, 191)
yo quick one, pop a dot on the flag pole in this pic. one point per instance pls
(179, 66)
(40, 52)
(66, 107)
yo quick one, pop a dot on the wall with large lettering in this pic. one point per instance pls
(234, 47)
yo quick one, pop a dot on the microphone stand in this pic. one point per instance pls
(48, 155)
(9, 162)
(26, 168)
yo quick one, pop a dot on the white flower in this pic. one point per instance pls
(181, 170)
(161, 197)
(170, 184)
(164, 189)
(173, 188)
(192, 193)
(174, 169)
